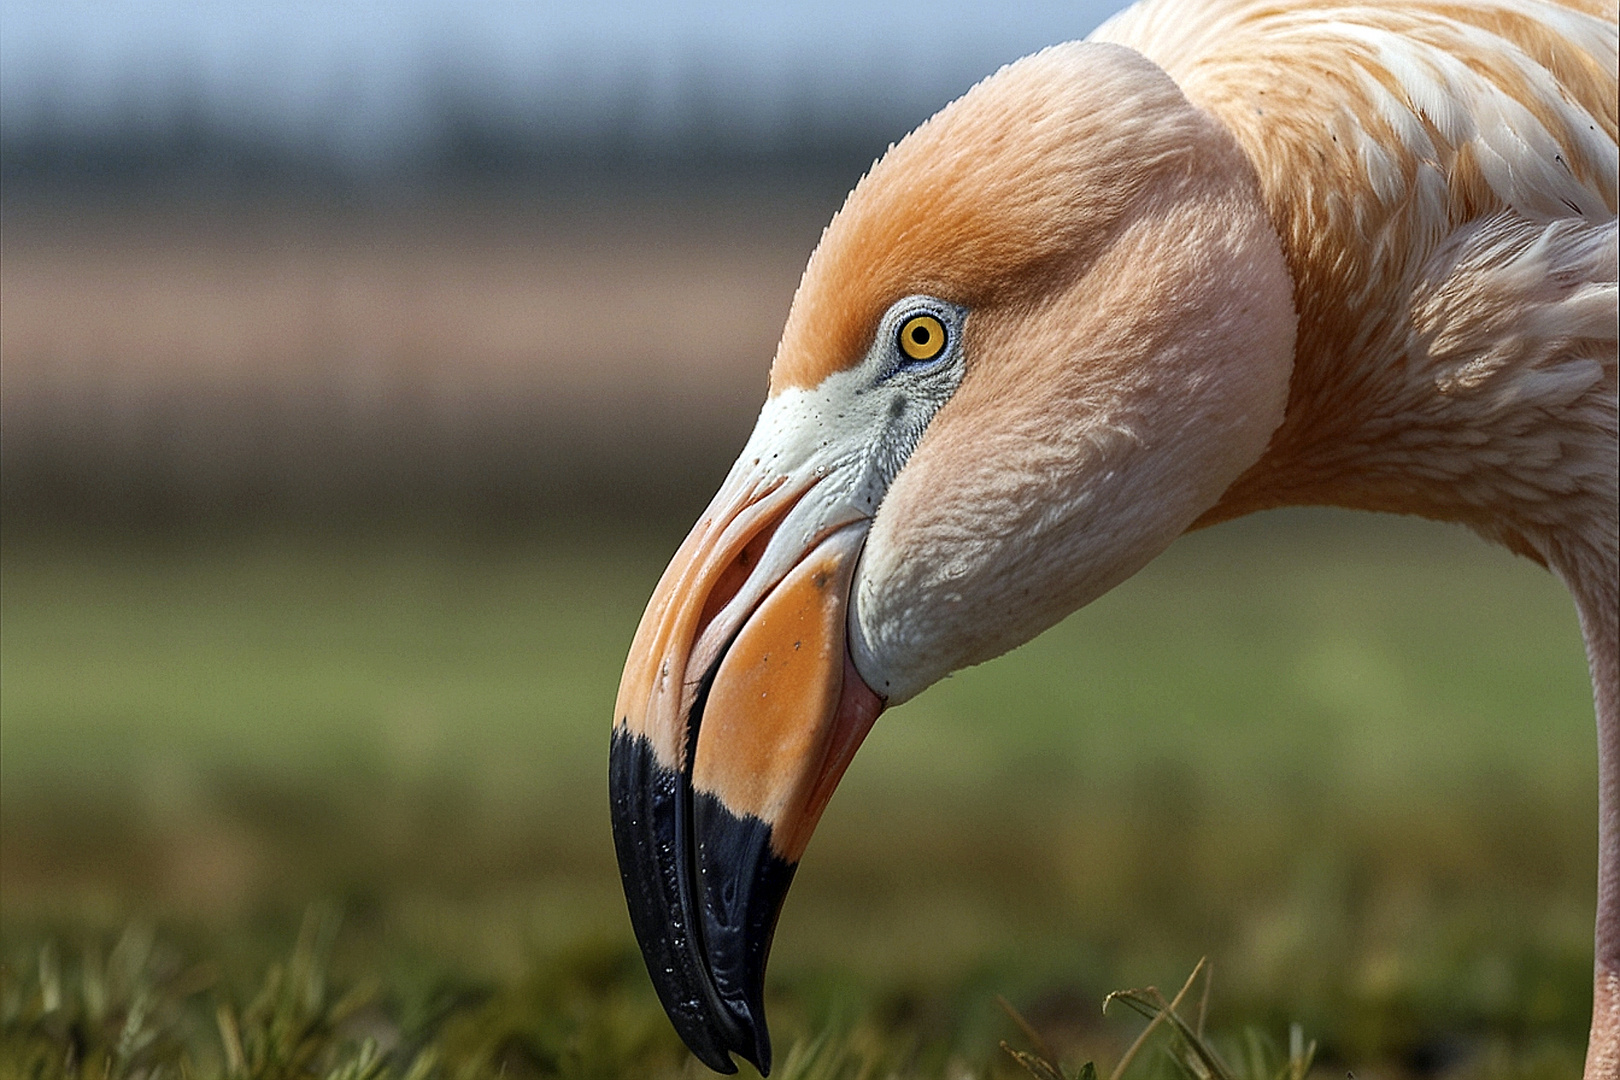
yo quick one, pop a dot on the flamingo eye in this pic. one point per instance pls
(922, 337)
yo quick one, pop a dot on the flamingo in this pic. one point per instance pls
(1221, 256)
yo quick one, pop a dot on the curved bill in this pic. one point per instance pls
(737, 714)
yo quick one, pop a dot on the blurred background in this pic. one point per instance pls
(360, 367)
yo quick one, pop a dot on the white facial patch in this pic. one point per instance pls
(844, 439)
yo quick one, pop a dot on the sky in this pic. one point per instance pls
(366, 79)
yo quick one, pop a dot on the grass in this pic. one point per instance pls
(135, 1013)
(1349, 759)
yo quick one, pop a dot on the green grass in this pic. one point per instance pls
(1349, 759)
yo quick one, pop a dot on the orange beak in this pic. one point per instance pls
(738, 712)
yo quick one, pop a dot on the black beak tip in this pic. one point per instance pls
(650, 808)
(741, 883)
(704, 889)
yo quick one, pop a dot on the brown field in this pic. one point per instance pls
(222, 358)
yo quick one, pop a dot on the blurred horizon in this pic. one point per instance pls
(354, 100)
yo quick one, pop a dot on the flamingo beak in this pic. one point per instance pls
(738, 711)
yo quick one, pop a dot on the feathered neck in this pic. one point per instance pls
(1443, 179)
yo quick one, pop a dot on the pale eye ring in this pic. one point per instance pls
(922, 337)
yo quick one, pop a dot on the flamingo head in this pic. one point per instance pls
(1044, 333)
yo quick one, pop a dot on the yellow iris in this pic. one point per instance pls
(922, 337)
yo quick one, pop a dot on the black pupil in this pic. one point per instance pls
(920, 335)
